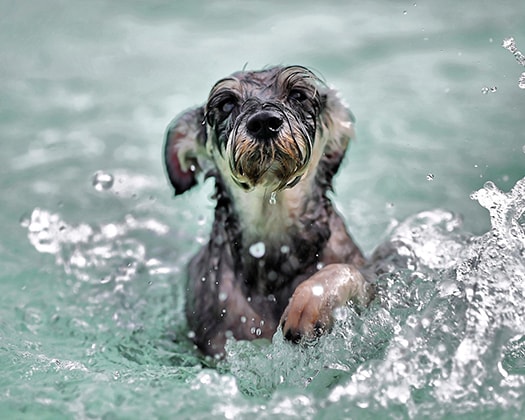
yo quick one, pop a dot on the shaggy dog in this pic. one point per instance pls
(279, 254)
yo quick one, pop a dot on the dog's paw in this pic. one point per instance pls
(309, 312)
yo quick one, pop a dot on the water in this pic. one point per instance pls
(93, 245)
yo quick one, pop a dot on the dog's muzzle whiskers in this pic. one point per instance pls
(277, 162)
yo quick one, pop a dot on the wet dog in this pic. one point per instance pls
(279, 254)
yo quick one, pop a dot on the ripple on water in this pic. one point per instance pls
(443, 337)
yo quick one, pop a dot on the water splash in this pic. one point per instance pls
(102, 181)
(510, 44)
(105, 253)
(444, 337)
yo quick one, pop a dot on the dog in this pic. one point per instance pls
(279, 254)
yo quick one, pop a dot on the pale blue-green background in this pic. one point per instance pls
(88, 86)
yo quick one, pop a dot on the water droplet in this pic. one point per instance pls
(317, 290)
(257, 250)
(412, 321)
(430, 177)
(405, 12)
(273, 198)
(102, 181)
(243, 319)
(508, 43)
(25, 221)
(521, 81)
(223, 296)
(285, 249)
(485, 90)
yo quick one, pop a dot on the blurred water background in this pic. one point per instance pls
(93, 245)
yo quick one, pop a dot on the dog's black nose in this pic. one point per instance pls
(264, 124)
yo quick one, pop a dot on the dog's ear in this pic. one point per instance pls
(337, 126)
(184, 151)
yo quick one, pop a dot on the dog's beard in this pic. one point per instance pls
(274, 164)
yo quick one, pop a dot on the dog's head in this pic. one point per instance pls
(260, 129)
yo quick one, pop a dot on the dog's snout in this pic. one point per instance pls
(264, 124)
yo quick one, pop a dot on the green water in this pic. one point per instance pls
(91, 279)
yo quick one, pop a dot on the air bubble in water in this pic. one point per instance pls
(257, 250)
(102, 181)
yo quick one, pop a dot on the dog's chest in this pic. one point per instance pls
(268, 216)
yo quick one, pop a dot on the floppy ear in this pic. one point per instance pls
(185, 149)
(337, 127)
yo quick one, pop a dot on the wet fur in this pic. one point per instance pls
(306, 244)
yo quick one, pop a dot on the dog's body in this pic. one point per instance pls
(278, 252)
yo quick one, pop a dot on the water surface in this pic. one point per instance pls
(94, 246)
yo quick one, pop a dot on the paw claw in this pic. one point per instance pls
(293, 336)
(319, 329)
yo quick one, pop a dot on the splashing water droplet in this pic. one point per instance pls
(509, 43)
(273, 198)
(317, 290)
(430, 177)
(102, 181)
(521, 81)
(257, 250)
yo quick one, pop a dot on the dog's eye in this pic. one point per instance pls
(297, 95)
(227, 105)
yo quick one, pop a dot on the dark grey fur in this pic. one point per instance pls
(230, 291)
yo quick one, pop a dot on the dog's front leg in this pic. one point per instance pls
(310, 310)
